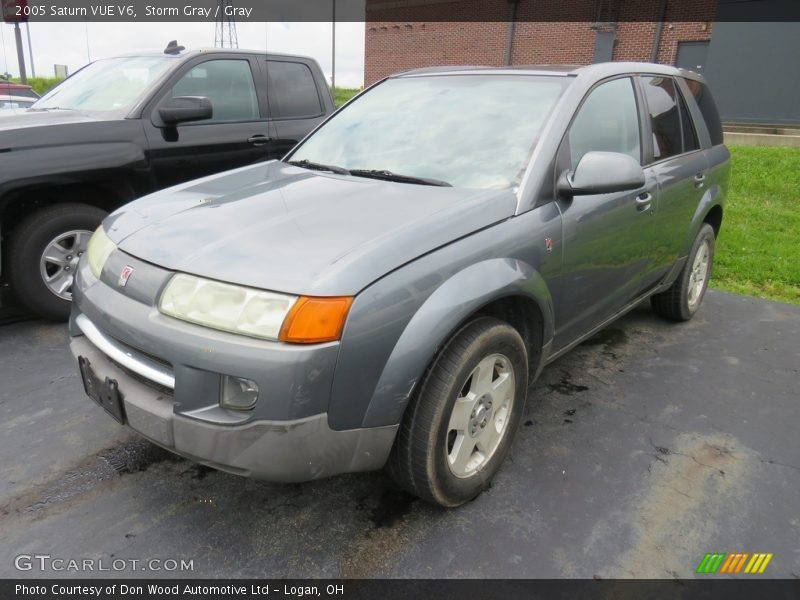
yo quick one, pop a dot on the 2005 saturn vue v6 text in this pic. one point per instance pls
(385, 294)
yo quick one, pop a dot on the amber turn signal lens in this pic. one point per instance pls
(315, 320)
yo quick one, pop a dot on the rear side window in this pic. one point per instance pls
(608, 121)
(708, 109)
(665, 120)
(292, 91)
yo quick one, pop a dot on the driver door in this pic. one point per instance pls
(608, 238)
(238, 133)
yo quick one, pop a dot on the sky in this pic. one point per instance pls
(66, 43)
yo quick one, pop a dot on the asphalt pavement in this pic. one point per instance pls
(641, 450)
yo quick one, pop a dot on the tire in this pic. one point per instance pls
(65, 230)
(681, 301)
(428, 457)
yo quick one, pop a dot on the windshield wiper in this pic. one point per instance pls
(390, 176)
(307, 164)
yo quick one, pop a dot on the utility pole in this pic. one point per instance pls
(88, 50)
(30, 48)
(333, 48)
(23, 76)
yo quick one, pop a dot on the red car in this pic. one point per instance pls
(17, 89)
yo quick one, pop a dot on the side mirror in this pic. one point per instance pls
(602, 173)
(185, 109)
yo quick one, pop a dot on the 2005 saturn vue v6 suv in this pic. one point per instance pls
(385, 294)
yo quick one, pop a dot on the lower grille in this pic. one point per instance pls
(168, 392)
(154, 371)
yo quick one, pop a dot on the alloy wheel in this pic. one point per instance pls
(480, 416)
(60, 259)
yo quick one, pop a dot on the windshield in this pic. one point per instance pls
(475, 131)
(106, 85)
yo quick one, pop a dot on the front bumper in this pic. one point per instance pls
(291, 451)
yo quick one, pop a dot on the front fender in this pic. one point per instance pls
(397, 323)
(436, 320)
(68, 164)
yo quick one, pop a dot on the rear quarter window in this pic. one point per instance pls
(702, 95)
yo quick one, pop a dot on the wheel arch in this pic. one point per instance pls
(507, 289)
(709, 210)
(714, 218)
(19, 203)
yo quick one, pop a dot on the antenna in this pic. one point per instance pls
(225, 36)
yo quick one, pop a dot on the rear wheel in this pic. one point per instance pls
(681, 301)
(43, 253)
(462, 419)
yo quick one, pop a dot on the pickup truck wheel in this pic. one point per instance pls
(681, 301)
(43, 253)
(461, 421)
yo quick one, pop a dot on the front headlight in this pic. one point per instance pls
(227, 307)
(99, 249)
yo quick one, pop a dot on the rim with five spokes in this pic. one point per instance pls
(698, 275)
(60, 259)
(480, 416)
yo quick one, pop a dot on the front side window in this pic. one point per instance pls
(607, 121)
(228, 84)
(112, 84)
(662, 104)
(474, 131)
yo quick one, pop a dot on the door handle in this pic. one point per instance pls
(699, 180)
(259, 140)
(643, 201)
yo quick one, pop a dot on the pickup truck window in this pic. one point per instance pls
(228, 84)
(472, 131)
(107, 85)
(293, 91)
(607, 121)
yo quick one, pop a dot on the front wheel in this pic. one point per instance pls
(681, 301)
(460, 423)
(43, 253)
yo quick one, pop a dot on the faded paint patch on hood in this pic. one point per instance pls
(278, 227)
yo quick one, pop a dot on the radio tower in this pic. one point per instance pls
(225, 36)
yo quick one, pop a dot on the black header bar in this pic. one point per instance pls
(592, 11)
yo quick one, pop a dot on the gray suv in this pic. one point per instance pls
(386, 293)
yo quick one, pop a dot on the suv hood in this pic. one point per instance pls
(282, 228)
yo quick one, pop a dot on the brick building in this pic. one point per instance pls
(399, 37)
(741, 47)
